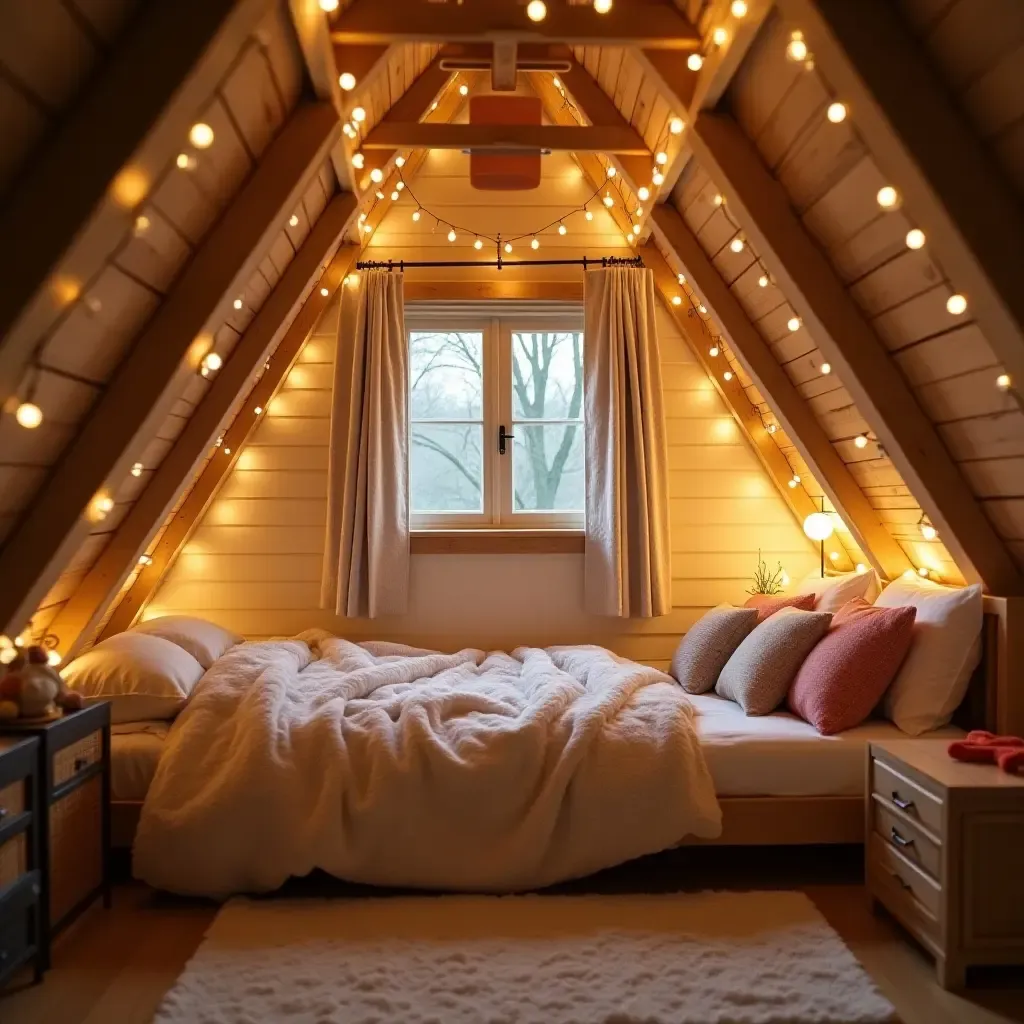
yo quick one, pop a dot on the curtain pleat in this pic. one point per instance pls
(366, 555)
(628, 548)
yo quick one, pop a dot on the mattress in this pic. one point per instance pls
(781, 755)
(135, 749)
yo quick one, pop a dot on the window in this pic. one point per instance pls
(496, 422)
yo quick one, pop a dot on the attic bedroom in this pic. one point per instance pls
(570, 450)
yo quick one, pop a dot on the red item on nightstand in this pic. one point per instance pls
(986, 747)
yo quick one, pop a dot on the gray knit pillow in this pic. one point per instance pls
(704, 650)
(758, 674)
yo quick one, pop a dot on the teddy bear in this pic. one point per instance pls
(32, 689)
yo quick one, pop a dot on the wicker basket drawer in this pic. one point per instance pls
(77, 757)
(76, 847)
(13, 859)
(19, 933)
(13, 800)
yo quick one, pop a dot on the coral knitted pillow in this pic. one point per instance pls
(845, 676)
(766, 605)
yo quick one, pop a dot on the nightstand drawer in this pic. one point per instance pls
(77, 758)
(13, 858)
(908, 837)
(76, 848)
(13, 800)
(914, 801)
(904, 876)
(19, 924)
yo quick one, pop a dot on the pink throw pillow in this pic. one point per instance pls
(766, 605)
(845, 676)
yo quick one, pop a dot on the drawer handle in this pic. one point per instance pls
(80, 763)
(900, 840)
(903, 805)
(904, 884)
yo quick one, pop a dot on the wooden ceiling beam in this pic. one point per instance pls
(788, 405)
(305, 276)
(968, 210)
(115, 141)
(657, 23)
(216, 471)
(361, 62)
(846, 340)
(419, 135)
(148, 380)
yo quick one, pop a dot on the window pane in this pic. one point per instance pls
(547, 374)
(547, 470)
(446, 375)
(446, 468)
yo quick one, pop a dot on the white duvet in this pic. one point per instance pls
(384, 764)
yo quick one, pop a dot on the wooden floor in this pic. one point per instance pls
(113, 967)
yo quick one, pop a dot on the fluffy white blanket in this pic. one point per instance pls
(385, 764)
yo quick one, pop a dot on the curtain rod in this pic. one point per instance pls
(603, 261)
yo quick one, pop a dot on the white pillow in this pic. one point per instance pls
(834, 591)
(144, 677)
(204, 640)
(946, 649)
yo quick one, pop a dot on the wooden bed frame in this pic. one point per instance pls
(994, 701)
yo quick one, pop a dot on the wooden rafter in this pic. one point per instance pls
(657, 24)
(118, 138)
(390, 135)
(217, 470)
(967, 208)
(82, 613)
(148, 380)
(789, 406)
(846, 340)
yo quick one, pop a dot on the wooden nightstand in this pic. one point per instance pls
(20, 878)
(73, 765)
(945, 842)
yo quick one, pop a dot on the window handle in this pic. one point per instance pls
(502, 438)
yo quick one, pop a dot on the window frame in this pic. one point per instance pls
(498, 513)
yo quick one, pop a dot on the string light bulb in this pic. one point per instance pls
(368, 229)
(956, 304)
(836, 112)
(608, 201)
(394, 196)
(681, 278)
(719, 199)
(508, 247)
(714, 351)
(358, 114)
(451, 235)
(347, 81)
(636, 229)
(102, 506)
(643, 193)
(201, 135)
(1003, 382)
(887, 197)
(477, 243)
(657, 178)
(793, 323)
(293, 220)
(928, 531)
(727, 375)
(53, 658)
(661, 158)
(676, 300)
(238, 303)
(28, 415)
(137, 469)
(762, 281)
(602, 6)
(463, 89)
(737, 244)
(358, 161)
(588, 213)
(629, 238)
(400, 162)
(211, 363)
(611, 171)
(915, 238)
(695, 62)
(738, 9)
(562, 229)
(184, 162)
(534, 242)
(676, 126)
(860, 441)
(376, 175)
(399, 186)
(324, 292)
(826, 368)
(796, 51)
(720, 36)
(141, 224)
(536, 10)
(922, 571)
(416, 214)
(772, 428)
(145, 560)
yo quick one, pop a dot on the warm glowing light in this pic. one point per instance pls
(608, 201)
(681, 278)
(325, 292)
(836, 112)
(636, 229)
(451, 235)
(328, 5)
(130, 186)
(719, 36)
(826, 368)
(861, 568)
(399, 186)
(676, 300)
(915, 238)
(141, 224)
(534, 243)
(657, 178)
(797, 49)
(478, 244)
(201, 135)
(793, 323)
(348, 130)
(394, 196)
(737, 244)
(416, 214)
(102, 505)
(702, 308)
(562, 229)
(137, 469)
(928, 531)
(713, 351)
(727, 375)
(358, 114)
(358, 160)
(629, 238)
(602, 6)
(29, 415)
(376, 175)
(719, 199)
(956, 304)
(860, 441)
(611, 171)
(66, 289)
(184, 162)
(347, 81)
(293, 220)
(818, 526)
(923, 571)
(463, 90)
(676, 126)
(1003, 382)
(661, 157)
(53, 658)
(508, 247)
(772, 428)
(834, 556)
(399, 161)
(763, 281)
(212, 362)
(238, 303)
(738, 8)
(695, 62)
(887, 197)
(588, 214)
(536, 10)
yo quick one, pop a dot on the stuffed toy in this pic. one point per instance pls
(986, 747)
(32, 689)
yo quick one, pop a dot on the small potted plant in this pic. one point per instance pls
(765, 582)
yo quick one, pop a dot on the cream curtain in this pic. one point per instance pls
(627, 570)
(366, 557)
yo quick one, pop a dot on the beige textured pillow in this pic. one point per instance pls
(708, 645)
(758, 674)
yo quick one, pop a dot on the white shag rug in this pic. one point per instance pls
(691, 958)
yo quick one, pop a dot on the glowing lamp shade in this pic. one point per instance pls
(818, 526)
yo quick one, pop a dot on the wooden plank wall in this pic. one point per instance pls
(832, 181)
(247, 109)
(254, 562)
(977, 46)
(48, 51)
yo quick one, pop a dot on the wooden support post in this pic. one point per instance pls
(392, 135)
(846, 340)
(217, 470)
(79, 617)
(968, 210)
(787, 403)
(148, 380)
(115, 142)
